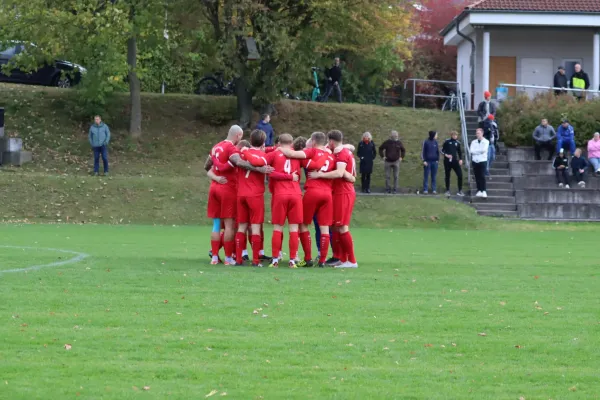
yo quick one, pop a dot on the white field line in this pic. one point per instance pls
(77, 258)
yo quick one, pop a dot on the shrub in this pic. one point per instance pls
(519, 116)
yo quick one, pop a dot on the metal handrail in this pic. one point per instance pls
(509, 85)
(464, 133)
(415, 94)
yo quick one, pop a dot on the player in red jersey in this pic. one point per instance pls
(222, 197)
(286, 201)
(251, 199)
(317, 198)
(344, 197)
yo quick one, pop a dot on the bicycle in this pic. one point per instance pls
(215, 86)
(451, 103)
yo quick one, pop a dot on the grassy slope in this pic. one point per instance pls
(146, 310)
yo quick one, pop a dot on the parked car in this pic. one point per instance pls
(46, 75)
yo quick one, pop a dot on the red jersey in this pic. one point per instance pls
(344, 156)
(251, 183)
(221, 153)
(284, 165)
(324, 160)
(269, 150)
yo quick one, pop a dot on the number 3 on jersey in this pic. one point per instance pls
(325, 167)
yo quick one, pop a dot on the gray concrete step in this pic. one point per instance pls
(496, 192)
(560, 211)
(497, 178)
(518, 168)
(549, 182)
(494, 206)
(498, 213)
(495, 185)
(574, 195)
(493, 199)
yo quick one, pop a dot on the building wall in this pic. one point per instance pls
(556, 43)
(463, 69)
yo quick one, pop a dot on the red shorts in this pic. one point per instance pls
(286, 205)
(319, 203)
(343, 204)
(221, 203)
(251, 210)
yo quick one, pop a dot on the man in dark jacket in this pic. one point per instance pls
(452, 152)
(392, 151)
(560, 81)
(334, 78)
(561, 166)
(579, 165)
(490, 133)
(430, 155)
(485, 108)
(366, 153)
(580, 82)
(265, 125)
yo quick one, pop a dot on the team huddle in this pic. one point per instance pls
(236, 203)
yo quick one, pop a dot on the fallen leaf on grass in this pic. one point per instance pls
(277, 279)
(255, 312)
(453, 344)
(146, 388)
(464, 291)
(223, 394)
(386, 348)
(348, 281)
(521, 398)
(212, 393)
(573, 388)
(135, 388)
(518, 346)
(209, 330)
(536, 277)
(502, 303)
(264, 315)
(165, 301)
(546, 313)
(482, 334)
(68, 347)
(428, 345)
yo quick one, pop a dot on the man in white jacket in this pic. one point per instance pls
(479, 154)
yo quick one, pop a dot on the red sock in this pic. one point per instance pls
(294, 245)
(229, 248)
(262, 240)
(276, 243)
(324, 247)
(255, 248)
(249, 235)
(306, 245)
(348, 245)
(240, 243)
(336, 245)
(215, 246)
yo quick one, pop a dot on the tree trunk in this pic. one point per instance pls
(135, 119)
(244, 102)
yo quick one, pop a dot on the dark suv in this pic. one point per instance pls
(46, 75)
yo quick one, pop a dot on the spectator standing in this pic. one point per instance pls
(543, 136)
(479, 151)
(265, 125)
(99, 136)
(430, 155)
(334, 79)
(452, 152)
(561, 166)
(486, 107)
(392, 151)
(565, 137)
(560, 81)
(490, 132)
(579, 165)
(580, 82)
(366, 153)
(594, 152)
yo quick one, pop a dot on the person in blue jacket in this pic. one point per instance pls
(565, 137)
(265, 125)
(430, 155)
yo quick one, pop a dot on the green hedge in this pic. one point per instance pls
(519, 116)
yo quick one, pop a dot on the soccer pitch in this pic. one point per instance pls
(120, 312)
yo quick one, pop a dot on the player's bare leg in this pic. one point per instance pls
(229, 240)
(240, 243)
(294, 242)
(347, 245)
(256, 245)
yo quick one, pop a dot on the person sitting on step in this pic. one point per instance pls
(579, 165)
(561, 167)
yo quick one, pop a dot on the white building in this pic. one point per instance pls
(523, 42)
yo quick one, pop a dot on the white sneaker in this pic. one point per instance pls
(581, 184)
(561, 185)
(479, 194)
(347, 264)
(484, 195)
(567, 187)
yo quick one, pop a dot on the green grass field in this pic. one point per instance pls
(430, 314)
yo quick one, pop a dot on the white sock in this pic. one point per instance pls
(215, 258)
(280, 254)
(262, 252)
(244, 252)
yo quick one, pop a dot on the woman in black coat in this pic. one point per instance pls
(366, 153)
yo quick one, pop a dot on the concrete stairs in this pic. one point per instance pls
(501, 200)
(539, 198)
